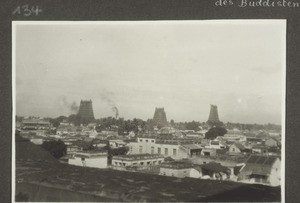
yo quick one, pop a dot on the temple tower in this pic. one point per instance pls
(160, 117)
(213, 114)
(213, 119)
(86, 110)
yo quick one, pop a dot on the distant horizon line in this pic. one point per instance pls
(43, 117)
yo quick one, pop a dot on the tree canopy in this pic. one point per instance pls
(116, 152)
(56, 121)
(55, 148)
(215, 123)
(214, 132)
(192, 125)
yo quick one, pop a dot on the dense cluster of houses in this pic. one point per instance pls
(249, 157)
(246, 159)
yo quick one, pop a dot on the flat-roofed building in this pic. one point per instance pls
(171, 149)
(140, 161)
(177, 169)
(143, 145)
(35, 124)
(176, 149)
(216, 144)
(89, 159)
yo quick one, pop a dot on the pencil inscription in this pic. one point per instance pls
(27, 10)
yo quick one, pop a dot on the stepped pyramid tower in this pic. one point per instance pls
(213, 119)
(213, 114)
(86, 110)
(160, 117)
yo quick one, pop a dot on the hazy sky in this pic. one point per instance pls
(183, 66)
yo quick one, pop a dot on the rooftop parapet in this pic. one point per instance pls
(138, 157)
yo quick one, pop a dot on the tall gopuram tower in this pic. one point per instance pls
(160, 117)
(213, 118)
(86, 110)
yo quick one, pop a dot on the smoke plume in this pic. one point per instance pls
(70, 107)
(115, 109)
(107, 98)
(74, 107)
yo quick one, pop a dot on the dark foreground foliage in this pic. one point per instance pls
(56, 148)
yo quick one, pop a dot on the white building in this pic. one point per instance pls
(195, 135)
(37, 141)
(173, 150)
(216, 144)
(89, 159)
(182, 169)
(232, 137)
(65, 128)
(35, 124)
(166, 148)
(261, 169)
(136, 160)
(176, 169)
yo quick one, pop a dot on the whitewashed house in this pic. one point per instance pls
(139, 161)
(166, 148)
(176, 169)
(216, 144)
(37, 141)
(261, 169)
(89, 159)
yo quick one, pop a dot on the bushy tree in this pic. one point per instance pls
(192, 125)
(56, 121)
(55, 148)
(115, 152)
(214, 132)
(150, 125)
(77, 120)
(215, 123)
(85, 145)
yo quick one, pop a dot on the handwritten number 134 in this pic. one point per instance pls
(27, 10)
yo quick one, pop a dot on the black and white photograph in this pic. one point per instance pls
(149, 111)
